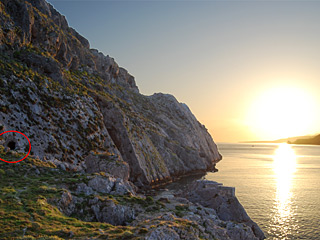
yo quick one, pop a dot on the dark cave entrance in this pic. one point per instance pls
(12, 145)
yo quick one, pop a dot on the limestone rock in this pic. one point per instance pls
(83, 188)
(110, 185)
(95, 209)
(102, 184)
(115, 214)
(163, 233)
(83, 112)
(222, 199)
(67, 202)
(177, 218)
(109, 163)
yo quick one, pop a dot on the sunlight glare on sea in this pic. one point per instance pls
(284, 166)
(278, 185)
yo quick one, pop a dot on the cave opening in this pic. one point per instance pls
(12, 145)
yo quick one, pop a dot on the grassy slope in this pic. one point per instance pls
(28, 187)
(25, 212)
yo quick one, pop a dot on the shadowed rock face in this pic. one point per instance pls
(85, 113)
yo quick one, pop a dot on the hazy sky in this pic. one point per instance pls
(224, 59)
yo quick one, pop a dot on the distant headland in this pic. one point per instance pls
(307, 139)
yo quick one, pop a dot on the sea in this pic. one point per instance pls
(278, 185)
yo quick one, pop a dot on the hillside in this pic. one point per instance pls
(311, 140)
(97, 145)
(49, 203)
(72, 101)
(283, 140)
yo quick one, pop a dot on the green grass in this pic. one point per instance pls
(25, 210)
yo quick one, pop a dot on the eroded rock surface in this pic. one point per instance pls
(75, 103)
(168, 216)
(222, 199)
(96, 140)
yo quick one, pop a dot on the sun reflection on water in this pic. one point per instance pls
(284, 167)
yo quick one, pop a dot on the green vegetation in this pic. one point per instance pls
(26, 212)
(28, 191)
(180, 209)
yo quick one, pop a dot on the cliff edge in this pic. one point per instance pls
(82, 111)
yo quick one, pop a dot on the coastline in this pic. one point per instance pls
(213, 195)
(111, 208)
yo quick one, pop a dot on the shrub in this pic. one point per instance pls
(149, 199)
(2, 149)
(8, 190)
(4, 109)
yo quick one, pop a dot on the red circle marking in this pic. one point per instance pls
(27, 153)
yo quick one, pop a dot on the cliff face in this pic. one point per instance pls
(93, 135)
(82, 111)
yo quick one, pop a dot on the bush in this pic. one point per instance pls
(2, 149)
(4, 109)
(149, 199)
(8, 190)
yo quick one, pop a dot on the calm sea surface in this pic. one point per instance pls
(278, 185)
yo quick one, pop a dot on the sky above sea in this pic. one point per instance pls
(248, 70)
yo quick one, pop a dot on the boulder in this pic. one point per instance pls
(110, 212)
(95, 209)
(110, 185)
(163, 233)
(108, 163)
(222, 199)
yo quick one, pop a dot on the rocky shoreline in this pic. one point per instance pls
(101, 206)
(212, 208)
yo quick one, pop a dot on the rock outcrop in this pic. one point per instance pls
(74, 104)
(82, 205)
(96, 144)
(223, 200)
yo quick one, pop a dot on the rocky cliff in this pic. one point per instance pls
(95, 142)
(82, 111)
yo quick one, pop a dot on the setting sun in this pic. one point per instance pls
(282, 112)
